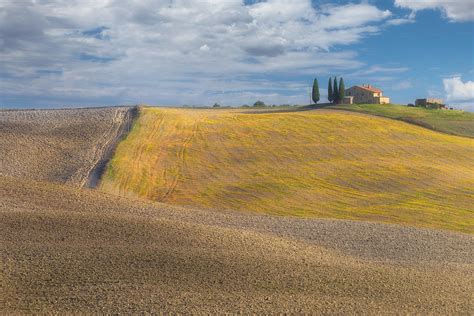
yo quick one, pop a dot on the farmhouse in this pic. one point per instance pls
(430, 103)
(366, 94)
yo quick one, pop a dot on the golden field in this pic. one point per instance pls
(320, 163)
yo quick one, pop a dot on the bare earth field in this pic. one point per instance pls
(75, 250)
(63, 146)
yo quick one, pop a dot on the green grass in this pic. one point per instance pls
(453, 122)
(322, 163)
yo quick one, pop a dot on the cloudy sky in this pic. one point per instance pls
(57, 53)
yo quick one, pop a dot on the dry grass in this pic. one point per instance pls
(62, 146)
(68, 250)
(313, 164)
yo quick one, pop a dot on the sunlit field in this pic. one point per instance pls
(453, 122)
(320, 163)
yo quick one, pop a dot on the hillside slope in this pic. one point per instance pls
(453, 122)
(62, 146)
(314, 163)
(66, 250)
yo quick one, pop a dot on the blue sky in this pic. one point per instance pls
(172, 52)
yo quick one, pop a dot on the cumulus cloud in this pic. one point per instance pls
(351, 15)
(172, 51)
(454, 10)
(458, 91)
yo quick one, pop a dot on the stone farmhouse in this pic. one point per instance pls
(365, 94)
(430, 103)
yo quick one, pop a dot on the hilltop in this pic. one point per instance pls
(453, 122)
(324, 163)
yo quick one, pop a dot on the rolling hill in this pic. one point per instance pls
(67, 249)
(322, 163)
(70, 250)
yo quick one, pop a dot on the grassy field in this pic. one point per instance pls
(321, 163)
(453, 122)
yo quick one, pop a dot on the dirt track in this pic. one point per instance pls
(77, 250)
(63, 146)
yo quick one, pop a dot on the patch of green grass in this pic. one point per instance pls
(453, 122)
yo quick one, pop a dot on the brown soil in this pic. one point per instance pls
(63, 146)
(76, 250)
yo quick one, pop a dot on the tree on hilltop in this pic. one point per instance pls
(335, 93)
(315, 94)
(259, 104)
(342, 90)
(330, 94)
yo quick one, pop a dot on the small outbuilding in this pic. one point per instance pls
(348, 100)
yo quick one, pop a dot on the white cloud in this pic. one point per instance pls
(455, 10)
(179, 51)
(281, 10)
(351, 15)
(410, 18)
(458, 91)
(204, 48)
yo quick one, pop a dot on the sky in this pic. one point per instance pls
(62, 53)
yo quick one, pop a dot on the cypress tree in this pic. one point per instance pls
(330, 94)
(315, 94)
(342, 92)
(335, 93)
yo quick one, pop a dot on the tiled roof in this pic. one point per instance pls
(372, 89)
